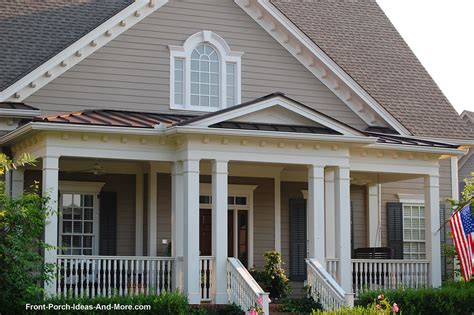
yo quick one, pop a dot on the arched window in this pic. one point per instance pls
(205, 74)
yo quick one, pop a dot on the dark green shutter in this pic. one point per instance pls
(395, 228)
(108, 224)
(297, 239)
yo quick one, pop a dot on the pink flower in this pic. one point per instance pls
(380, 297)
(395, 308)
(253, 312)
(377, 306)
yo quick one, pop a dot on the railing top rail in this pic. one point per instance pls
(332, 259)
(114, 257)
(206, 257)
(254, 286)
(332, 284)
(392, 261)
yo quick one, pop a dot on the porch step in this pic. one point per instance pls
(273, 310)
(298, 289)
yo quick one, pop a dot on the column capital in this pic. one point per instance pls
(191, 166)
(177, 168)
(220, 166)
(316, 171)
(50, 162)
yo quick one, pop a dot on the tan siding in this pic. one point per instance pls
(132, 71)
(466, 170)
(359, 216)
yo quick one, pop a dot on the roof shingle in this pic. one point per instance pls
(360, 38)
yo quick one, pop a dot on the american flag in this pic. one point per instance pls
(462, 227)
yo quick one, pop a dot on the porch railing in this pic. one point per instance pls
(242, 289)
(332, 264)
(372, 274)
(108, 275)
(323, 287)
(206, 270)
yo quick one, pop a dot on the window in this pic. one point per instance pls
(414, 246)
(204, 74)
(79, 219)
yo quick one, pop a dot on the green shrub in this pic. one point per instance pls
(452, 298)
(380, 305)
(299, 306)
(218, 310)
(167, 303)
(273, 278)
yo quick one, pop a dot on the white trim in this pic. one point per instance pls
(69, 57)
(80, 187)
(294, 40)
(281, 102)
(277, 202)
(411, 198)
(226, 55)
(454, 178)
(19, 113)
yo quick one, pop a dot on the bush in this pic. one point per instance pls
(299, 306)
(380, 305)
(217, 310)
(168, 303)
(452, 298)
(273, 278)
(22, 269)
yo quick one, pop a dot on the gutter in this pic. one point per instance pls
(19, 113)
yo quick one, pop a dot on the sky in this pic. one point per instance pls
(441, 33)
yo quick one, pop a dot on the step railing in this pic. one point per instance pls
(206, 272)
(243, 290)
(332, 265)
(90, 276)
(323, 287)
(372, 274)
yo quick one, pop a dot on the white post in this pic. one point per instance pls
(177, 218)
(315, 213)
(191, 230)
(373, 220)
(219, 228)
(433, 243)
(277, 192)
(330, 213)
(50, 187)
(139, 214)
(18, 182)
(455, 195)
(8, 183)
(152, 209)
(343, 227)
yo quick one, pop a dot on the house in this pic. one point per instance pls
(181, 140)
(466, 162)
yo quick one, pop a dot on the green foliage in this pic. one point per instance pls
(379, 305)
(166, 303)
(273, 278)
(299, 306)
(452, 298)
(22, 270)
(221, 310)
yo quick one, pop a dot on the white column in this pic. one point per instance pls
(177, 218)
(191, 230)
(330, 213)
(18, 182)
(8, 183)
(152, 209)
(139, 214)
(219, 228)
(373, 220)
(432, 224)
(50, 189)
(315, 213)
(277, 202)
(343, 227)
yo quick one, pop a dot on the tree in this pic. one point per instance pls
(22, 222)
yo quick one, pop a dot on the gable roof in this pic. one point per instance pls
(37, 30)
(360, 38)
(355, 34)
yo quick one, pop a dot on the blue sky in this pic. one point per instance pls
(441, 33)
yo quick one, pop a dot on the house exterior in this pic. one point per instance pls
(181, 140)
(466, 162)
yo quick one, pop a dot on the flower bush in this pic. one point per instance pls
(380, 305)
(273, 278)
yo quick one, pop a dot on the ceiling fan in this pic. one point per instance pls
(96, 169)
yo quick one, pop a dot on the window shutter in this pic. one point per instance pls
(297, 239)
(462, 184)
(395, 228)
(108, 224)
(442, 213)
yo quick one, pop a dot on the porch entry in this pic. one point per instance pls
(237, 227)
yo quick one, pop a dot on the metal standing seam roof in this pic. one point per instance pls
(17, 106)
(117, 118)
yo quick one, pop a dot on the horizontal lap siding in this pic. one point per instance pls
(132, 71)
(466, 170)
(359, 215)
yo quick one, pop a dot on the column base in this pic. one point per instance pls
(194, 298)
(221, 298)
